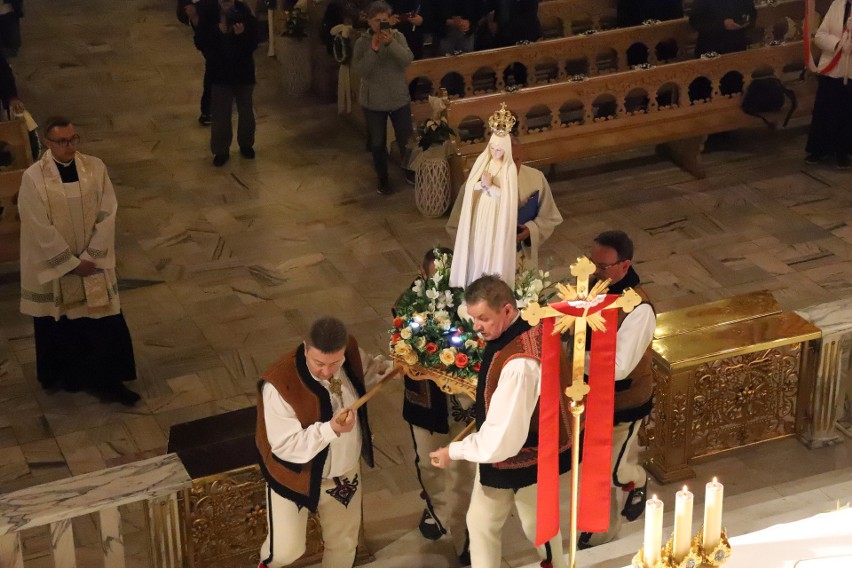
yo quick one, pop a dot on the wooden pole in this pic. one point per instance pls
(467, 430)
(370, 394)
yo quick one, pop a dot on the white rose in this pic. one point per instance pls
(405, 333)
(471, 344)
(448, 356)
(402, 348)
(411, 358)
(420, 342)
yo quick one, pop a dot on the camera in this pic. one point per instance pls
(234, 16)
(385, 26)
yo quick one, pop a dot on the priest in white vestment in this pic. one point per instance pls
(67, 207)
(538, 214)
(485, 241)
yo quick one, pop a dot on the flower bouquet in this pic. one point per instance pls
(434, 342)
(429, 335)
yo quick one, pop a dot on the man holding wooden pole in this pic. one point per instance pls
(312, 430)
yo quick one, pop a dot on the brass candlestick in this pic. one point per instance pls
(695, 558)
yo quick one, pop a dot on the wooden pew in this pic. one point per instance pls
(621, 111)
(577, 16)
(557, 60)
(13, 133)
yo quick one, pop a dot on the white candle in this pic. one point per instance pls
(653, 531)
(682, 524)
(713, 495)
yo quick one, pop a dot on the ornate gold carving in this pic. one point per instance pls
(448, 383)
(744, 399)
(224, 516)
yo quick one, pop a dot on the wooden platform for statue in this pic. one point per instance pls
(728, 374)
(223, 515)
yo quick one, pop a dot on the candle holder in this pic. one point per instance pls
(720, 553)
(695, 558)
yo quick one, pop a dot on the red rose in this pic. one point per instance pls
(431, 348)
(461, 360)
(398, 322)
(480, 343)
(394, 338)
(476, 367)
(460, 329)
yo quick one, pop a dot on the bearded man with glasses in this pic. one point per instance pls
(68, 284)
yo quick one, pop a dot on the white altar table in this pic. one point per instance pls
(821, 541)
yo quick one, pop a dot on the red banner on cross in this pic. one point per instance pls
(597, 309)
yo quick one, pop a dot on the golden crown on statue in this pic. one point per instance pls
(502, 122)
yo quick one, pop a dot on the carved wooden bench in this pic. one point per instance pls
(558, 60)
(621, 111)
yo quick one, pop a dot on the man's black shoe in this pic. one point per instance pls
(247, 152)
(220, 159)
(583, 542)
(119, 393)
(843, 161)
(635, 505)
(813, 159)
(205, 120)
(429, 527)
(464, 558)
(384, 188)
(410, 176)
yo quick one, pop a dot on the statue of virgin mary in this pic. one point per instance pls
(486, 237)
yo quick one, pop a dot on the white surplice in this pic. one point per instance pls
(62, 224)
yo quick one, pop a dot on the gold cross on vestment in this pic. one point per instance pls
(584, 301)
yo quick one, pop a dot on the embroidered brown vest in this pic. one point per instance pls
(521, 470)
(633, 396)
(310, 400)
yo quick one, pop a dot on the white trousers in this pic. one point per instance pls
(447, 490)
(489, 509)
(626, 469)
(340, 524)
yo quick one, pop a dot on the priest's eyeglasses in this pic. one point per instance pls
(66, 142)
(601, 266)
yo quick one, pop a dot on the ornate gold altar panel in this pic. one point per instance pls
(727, 386)
(224, 519)
(712, 314)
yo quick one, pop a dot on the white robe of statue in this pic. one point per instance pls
(487, 229)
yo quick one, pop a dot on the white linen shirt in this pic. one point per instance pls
(507, 422)
(290, 442)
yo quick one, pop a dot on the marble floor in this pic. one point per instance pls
(223, 269)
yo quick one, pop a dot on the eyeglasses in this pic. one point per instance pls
(66, 142)
(603, 267)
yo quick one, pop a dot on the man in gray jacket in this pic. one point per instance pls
(380, 58)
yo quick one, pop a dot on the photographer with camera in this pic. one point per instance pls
(380, 58)
(722, 25)
(228, 40)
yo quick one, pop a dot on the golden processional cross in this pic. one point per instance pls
(580, 307)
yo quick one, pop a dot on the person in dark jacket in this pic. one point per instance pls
(514, 21)
(190, 12)
(722, 25)
(455, 23)
(634, 12)
(228, 41)
(11, 12)
(411, 18)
